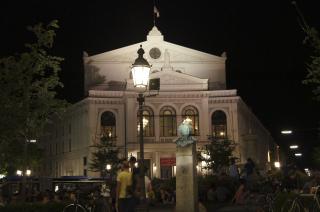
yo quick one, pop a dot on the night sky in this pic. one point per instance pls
(263, 41)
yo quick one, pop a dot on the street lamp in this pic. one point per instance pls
(277, 164)
(108, 167)
(19, 172)
(294, 147)
(140, 73)
(286, 132)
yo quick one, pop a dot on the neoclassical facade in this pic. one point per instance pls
(192, 85)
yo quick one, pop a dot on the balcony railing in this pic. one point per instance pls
(162, 140)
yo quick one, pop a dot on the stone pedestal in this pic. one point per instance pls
(186, 179)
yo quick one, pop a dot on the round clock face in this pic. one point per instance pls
(155, 53)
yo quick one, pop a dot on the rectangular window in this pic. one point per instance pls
(168, 126)
(85, 172)
(166, 172)
(56, 169)
(84, 161)
(69, 144)
(56, 148)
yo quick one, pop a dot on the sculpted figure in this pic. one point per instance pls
(184, 130)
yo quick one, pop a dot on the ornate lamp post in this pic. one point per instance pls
(140, 73)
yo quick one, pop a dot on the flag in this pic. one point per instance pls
(156, 11)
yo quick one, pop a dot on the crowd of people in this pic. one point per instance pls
(242, 186)
(235, 185)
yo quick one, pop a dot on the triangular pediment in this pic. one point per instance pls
(177, 54)
(175, 81)
(114, 66)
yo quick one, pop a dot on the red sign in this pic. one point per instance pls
(167, 161)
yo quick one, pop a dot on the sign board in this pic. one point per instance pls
(167, 161)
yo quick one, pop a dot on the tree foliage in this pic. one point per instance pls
(106, 153)
(316, 156)
(28, 93)
(217, 154)
(313, 65)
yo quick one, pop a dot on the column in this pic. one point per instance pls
(186, 179)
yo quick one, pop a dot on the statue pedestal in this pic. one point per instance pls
(186, 179)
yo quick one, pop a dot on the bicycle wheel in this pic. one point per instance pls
(315, 207)
(74, 208)
(295, 207)
(287, 205)
(270, 208)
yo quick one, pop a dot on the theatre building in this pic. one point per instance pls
(192, 85)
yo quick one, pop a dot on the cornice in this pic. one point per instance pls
(224, 100)
(212, 95)
(110, 101)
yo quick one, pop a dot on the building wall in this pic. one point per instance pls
(254, 140)
(187, 77)
(84, 118)
(67, 142)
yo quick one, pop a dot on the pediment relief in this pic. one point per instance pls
(177, 54)
(176, 78)
(174, 81)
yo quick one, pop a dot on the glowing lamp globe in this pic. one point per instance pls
(140, 70)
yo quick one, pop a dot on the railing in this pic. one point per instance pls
(153, 140)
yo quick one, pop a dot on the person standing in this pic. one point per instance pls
(123, 190)
(249, 168)
(233, 170)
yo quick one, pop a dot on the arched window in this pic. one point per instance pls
(192, 113)
(168, 122)
(108, 124)
(148, 122)
(219, 125)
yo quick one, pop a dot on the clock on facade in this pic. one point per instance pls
(155, 53)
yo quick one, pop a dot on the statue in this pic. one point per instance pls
(166, 66)
(184, 131)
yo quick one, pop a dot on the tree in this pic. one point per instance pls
(316, 156)
(106, 154)
(29, 81)
(313, 65)
(217, 154)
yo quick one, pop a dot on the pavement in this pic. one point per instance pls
(210, 208)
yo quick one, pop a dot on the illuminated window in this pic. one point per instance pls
(168, 122)
(219, 125)
(192, 113)
(108, 124)
(148, 122)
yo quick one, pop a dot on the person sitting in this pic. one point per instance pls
(241, 193)
(165, 196)
(222, 193)
(211, 193)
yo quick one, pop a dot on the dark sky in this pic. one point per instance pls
(263, 40)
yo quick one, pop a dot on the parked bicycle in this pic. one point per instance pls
(296, 204)
(75, 206)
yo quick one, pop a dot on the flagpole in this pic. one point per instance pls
(154, 14)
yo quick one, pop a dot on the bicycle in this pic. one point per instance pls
(295, 204)
(75, 206)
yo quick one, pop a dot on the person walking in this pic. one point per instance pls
(124, 190)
